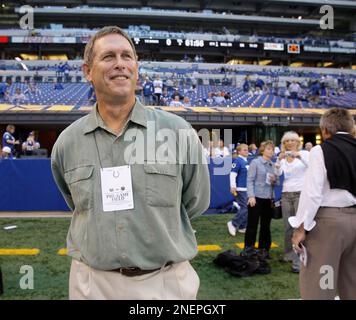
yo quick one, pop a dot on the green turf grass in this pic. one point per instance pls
(51, 271)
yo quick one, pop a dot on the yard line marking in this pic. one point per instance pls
(63, 252)
(241, 245)
(19, 252)
(210, 247)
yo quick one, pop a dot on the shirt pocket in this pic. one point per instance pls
(80, 182)
(161, 184)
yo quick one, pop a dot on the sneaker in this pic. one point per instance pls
(242, 230)
(285, 259)
(288, 257)
(295, 270)
(236, 205)
(231, 228)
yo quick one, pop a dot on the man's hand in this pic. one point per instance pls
(251, 201)
(297, 238)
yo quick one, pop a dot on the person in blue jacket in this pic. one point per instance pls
(238, 187)
(148, 90)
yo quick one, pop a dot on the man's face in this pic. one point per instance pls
(308, 146)
(114, 69)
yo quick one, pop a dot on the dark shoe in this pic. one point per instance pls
(248, 252)
(263, 254)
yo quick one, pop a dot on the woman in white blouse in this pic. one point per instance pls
(293, 162)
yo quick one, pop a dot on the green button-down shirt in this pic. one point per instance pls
(166, 194)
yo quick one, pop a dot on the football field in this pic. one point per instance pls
(40, 243)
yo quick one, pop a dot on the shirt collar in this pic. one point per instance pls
(242, 157)
(264, 161)
(137, 115)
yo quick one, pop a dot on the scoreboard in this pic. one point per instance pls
(195, 43)
(158, 42)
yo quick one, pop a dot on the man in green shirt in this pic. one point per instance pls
(133, 177)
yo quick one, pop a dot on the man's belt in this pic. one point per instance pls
(134, 271)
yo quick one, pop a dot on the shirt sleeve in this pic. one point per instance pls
(312, 192)
(305, 158)
(279, 171)
(251, 176)
(196, 180)
(233, 176)
(234, 166)
(8, 138)
(58, 175)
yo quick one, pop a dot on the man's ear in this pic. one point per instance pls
(325, 134)
(86, 70)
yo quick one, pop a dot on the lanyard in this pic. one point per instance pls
(97, 148)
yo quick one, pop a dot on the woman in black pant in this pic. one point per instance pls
(260, 180)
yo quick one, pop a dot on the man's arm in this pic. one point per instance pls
(58, 175)
(312, 192)
(196, 179)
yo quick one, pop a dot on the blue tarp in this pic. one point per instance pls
(28, 185)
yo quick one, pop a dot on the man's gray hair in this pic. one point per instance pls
(89, 48)
(337, 119)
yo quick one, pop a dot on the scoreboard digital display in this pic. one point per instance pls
(293, 48)
(195, 43)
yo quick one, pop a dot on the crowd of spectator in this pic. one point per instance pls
(317, 91)
(12, 148)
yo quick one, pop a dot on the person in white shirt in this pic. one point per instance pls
(221, 150)
(293, 162)
(294, 89)
(326, 218)
(176, 102)
(18, 97)
(308, 146)
(157, 89)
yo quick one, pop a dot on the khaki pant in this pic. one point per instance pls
(290, 202)
(331, 251)
(175, 282)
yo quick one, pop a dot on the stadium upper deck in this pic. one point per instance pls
(266, 32)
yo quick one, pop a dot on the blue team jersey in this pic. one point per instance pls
(240, 166)
(148, 89)
(5, 137)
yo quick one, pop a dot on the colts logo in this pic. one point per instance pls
(233, 166)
